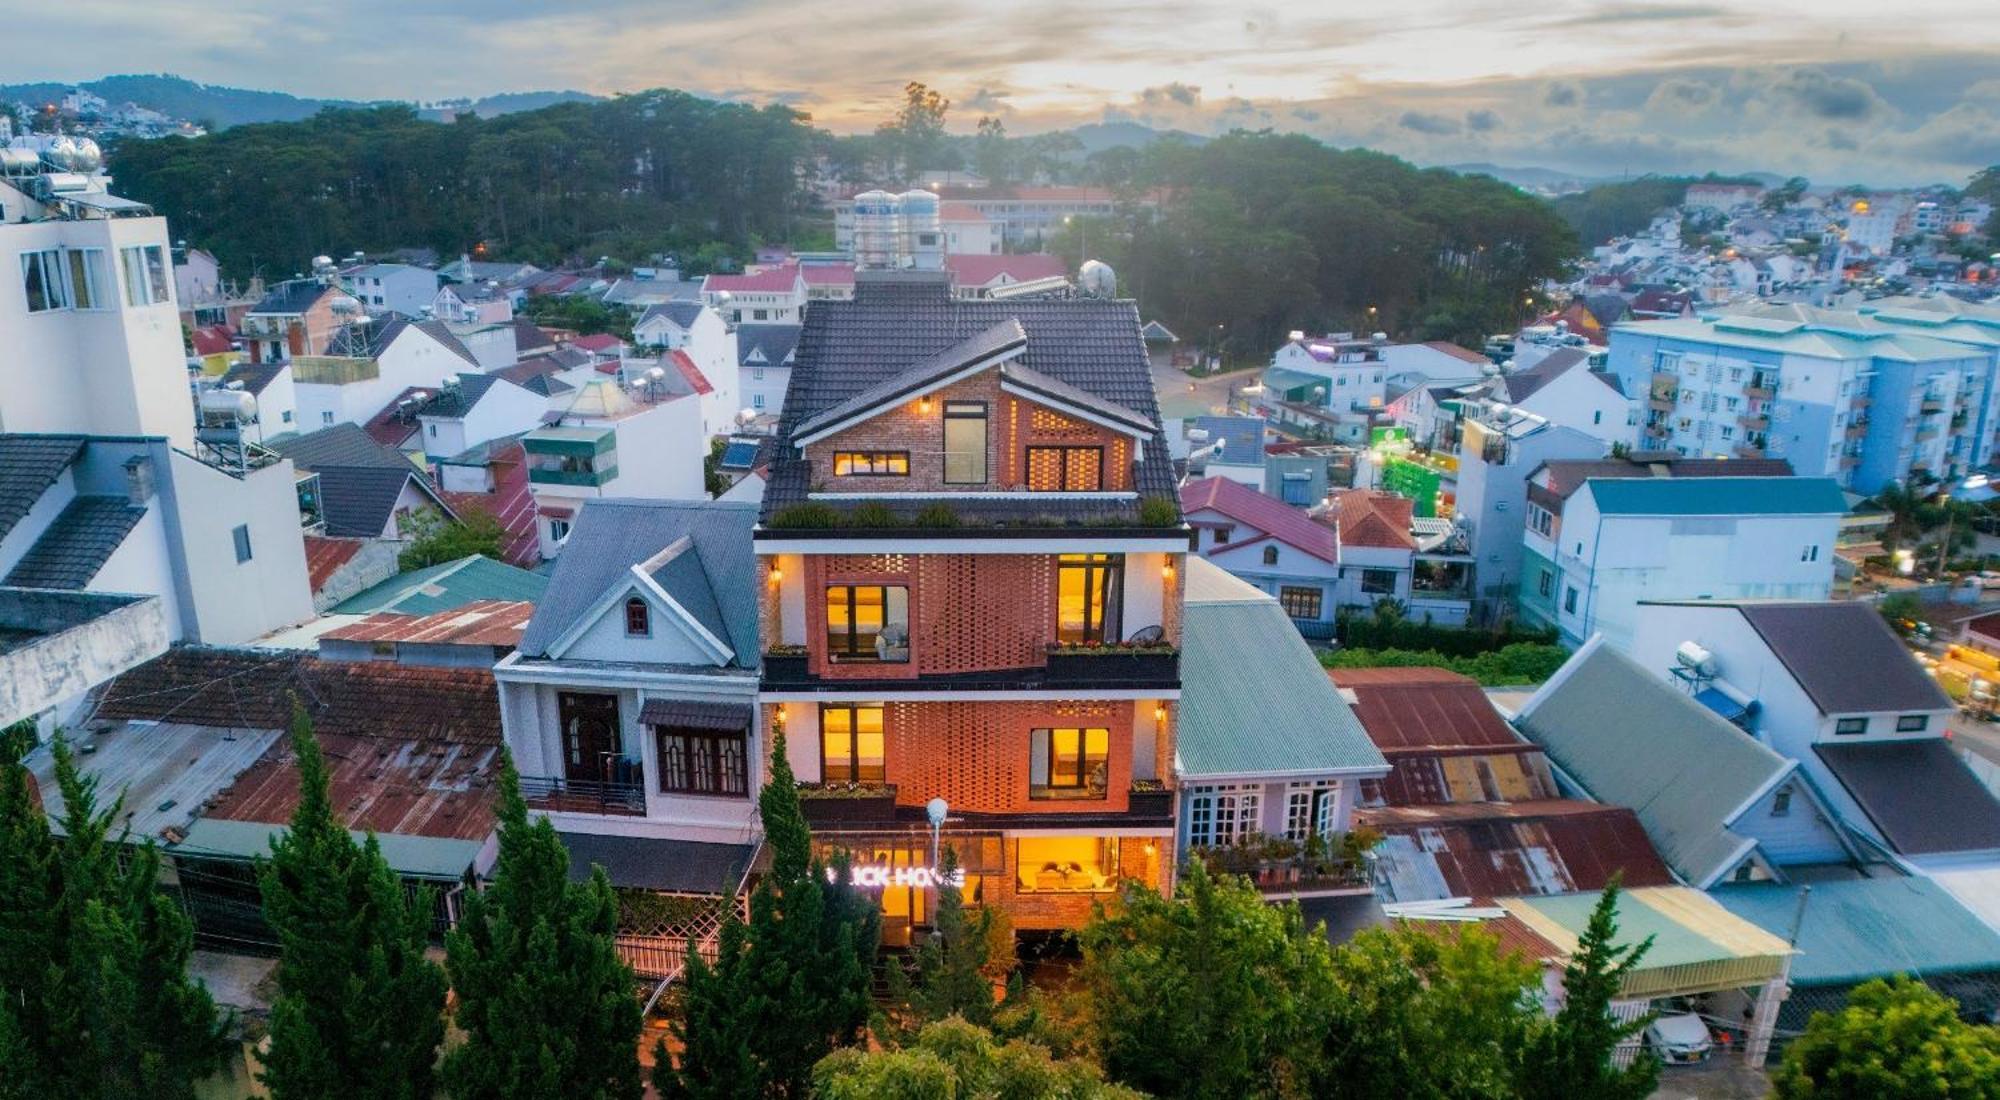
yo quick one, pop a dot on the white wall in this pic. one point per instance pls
(233, 601)
(668, 643)
(1577, 400)
(505, 409)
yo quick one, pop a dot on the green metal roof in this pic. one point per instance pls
(1254, 699)
(1869, 928)
(446, 587)
(1631, 739)
(416, 856)
(1718, 496)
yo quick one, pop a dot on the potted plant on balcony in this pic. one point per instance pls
(847, 803)
(1102, 662)
(785, 663)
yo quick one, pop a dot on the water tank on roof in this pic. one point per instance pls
(17, 161)
(878, 230)
(923, 233)
(226, 408)
(1097, 279)
(87, 157)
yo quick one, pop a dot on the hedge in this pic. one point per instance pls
(1368, 632)
(1518, 663)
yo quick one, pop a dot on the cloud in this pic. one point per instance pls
(1424, 123)
(1482, 120)
(1187, 95)
(1562, 95)
(1841, 140)
(1676, 95)
(1643, 13)
(1305, 114)
(987, 101)
(1831, 97)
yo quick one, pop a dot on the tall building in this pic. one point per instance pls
(970, 513)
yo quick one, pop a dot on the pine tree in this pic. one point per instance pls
(546, 1003)
(953, 971)
(715, 1026)
(358, 1011)
(1571, 1055)
(95, 1000)
(799, 987)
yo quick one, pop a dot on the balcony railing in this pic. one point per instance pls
(623, 798)
(1118, 664)
(1857, 430)
(834, 804)
(1931, 405)
(1659, 403)
(1760, 390)
(1749, 450)
(1755, 422)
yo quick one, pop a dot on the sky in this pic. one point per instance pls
(1837, 90)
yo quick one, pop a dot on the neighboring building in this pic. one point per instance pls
(1337, 372)
(1265, 746)
(979, 275)
(1228, 447)
(392, 288)
(967, 231)
(296, 317)
(1721, 198)
(1863, 401)
(475, 303)
(1591, 554)
(1497, 450)
(87, 303)
(776, 295)
(919, 656)
(277, 397)
(1563, 389)
(447, 586)
(1719, 805)
(764, 365)
(473, 636)
(471, 410)
(1016, 217)
(358, 487)
(493, 478)
(1470, 808)
(603, 442)
(197, 276)
(364, 367)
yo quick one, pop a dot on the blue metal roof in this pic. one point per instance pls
(1868, 928)
(1718, 496)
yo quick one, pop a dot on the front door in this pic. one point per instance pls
(590, 735)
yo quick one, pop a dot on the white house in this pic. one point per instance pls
(630, 705)
(703, 349)
(367, 365)
(472, 409)
(391, 288)
(475, 302)
(277, 398)
(1590, 557)
(967, 230)
(601, 442)
(1562, 389)
(764, 365)
(776, 294)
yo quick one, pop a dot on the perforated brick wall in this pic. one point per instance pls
(968, 612)
(1035, 911)
(975, 754)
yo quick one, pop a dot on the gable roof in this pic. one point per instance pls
(1376, 520)
(1918, 793)
(697, 381)
(1719, 496)
(1856, 929)
(29, 464)
(1633, 740)
(77, 543)
(781, 279)
(342, 444)
(1004, 337)
(1523, 384)
(293, 296)
(609, 537)
(1255, 701)
(979, 268)
(766, 345)
(446, 587)
(679, 312)
(360, 480)
(255, 376)
(1266, 513)
(529, 336)
(1845, 656)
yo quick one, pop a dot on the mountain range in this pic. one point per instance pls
(224, 106)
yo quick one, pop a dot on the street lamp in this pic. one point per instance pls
(935, 810)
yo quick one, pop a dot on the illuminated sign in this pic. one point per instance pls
(878, 875)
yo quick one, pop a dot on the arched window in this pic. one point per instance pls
(638, 618)
(1270, 555)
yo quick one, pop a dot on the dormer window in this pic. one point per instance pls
(638, 618)
(1270, 555)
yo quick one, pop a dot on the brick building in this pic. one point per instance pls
(970, 563)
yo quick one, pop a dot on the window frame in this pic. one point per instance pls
(43, 271)
(240, 536)
(1270, 555)
(1840, 727)
(1373, 577)
(887, 460)
(1107, 571)
(689, 758)
(1088, 775)
(1302, 594)
(1063, 451)
(966, 412)
(1912, 723)
(641, 624)
(850, 654)
(880, 771)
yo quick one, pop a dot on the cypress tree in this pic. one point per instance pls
(715, 1026)
(358, 1011)
(1571, 1054)
(95, 1000)
(954, 965)
(546, 1004)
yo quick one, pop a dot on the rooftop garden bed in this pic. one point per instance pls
(815, 515)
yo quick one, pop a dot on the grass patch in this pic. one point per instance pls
(1518, 663)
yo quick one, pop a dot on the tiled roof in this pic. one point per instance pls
(325, 556)
(774, 341)
(772, 280)
(980, 268)
(1719, 496)
(255, 376)
(293, 296)
(683, 363)
(1254, 699)
(1631, 739)
(681, 313)
(29, 464)
(1265, 513)
(609, 537)
(211, 339)
(1845, 656)
(360, 480)
(900, 319)
(827, 274)
(252, 689)
(1374, 520)
(529, 337)
(446, 587)
(1000, 338)
(1918, 793)
(597, 342)
(1523, 384)
(339, 445)
(77, 544)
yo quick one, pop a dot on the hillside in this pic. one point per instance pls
(226, 106)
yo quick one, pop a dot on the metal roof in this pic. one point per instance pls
(1254, 699)
(1689, 929)
(1492, 849)
(1632, 739)
(1918, 793)
(1845, 656)
(165, 771)
(1567, 475)
(1858, 929)
(419, 787)
(1718, 496)
(479, 623)
(1415, 708)
(442, 858)
(650, 863)
(446, 587)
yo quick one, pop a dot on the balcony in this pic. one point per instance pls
(1664, 379)
(847, 804)
(1861, 401)
(571, 456)
(1857, 430)
(1748, 450)
(1754, 422)
(618, 797)
(1114, 664)
(1083, 667)
(1925, 435)
(1658, 403)
(1657, 431)
(1931, 405)
(1761, 389)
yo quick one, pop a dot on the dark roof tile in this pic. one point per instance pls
(29, 464)
(74, 547)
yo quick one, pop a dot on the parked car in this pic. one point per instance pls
(1681, 1037)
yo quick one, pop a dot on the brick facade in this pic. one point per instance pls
(1013, 425)
(976, 755)
(968, 612)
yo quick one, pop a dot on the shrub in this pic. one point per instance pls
(1519, 663)
(872, 513)
(938, 515)
(1159, 512)
(808, 516)
(1388, 632)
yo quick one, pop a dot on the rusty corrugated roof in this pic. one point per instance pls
(406, 788)
(479, 623)
(1549, 846)
(1423, 708)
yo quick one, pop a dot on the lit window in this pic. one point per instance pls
(1066, 469)
(1089, 588)
(1066, 864)
(868, 623)
(871, 463)
(638, 618)
(851, 744)
(1069, 763)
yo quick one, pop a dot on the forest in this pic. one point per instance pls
(1251, 235)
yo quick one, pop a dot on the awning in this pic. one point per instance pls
(651, 863)
(688, 715)
(411, 856)
(1716, 701)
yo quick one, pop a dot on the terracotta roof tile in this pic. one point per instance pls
(1376, 520)
(1266, 513)
(325, 556)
